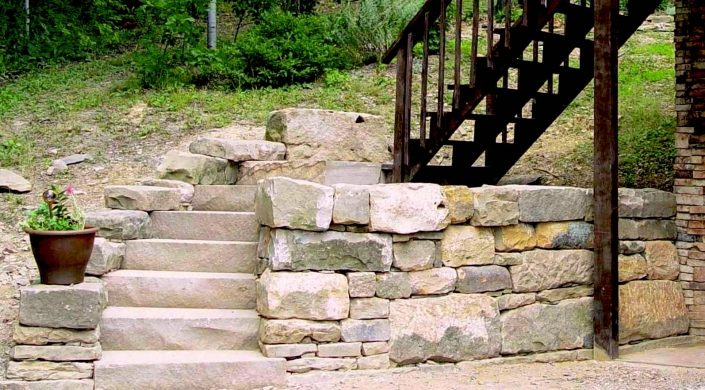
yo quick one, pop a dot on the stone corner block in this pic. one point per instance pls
(106, 256)
(76, 307)
(120, 224)
(408, 208)
(295, 204)
(145, 198)
(312, 296)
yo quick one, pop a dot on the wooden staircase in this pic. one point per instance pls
(530, 73)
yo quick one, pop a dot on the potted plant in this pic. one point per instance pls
(61, 243)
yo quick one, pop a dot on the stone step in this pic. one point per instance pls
(149, 328)
(196, 290)
(205, 225)
(187, 370)
(145, 198)
(190, 255)
(224, 198)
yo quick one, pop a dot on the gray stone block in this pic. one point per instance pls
(77, 307)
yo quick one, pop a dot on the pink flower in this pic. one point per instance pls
(69, 190)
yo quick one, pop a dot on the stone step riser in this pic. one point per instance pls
(190, 256)
(205, 225)
(142, 289)
(224, 198)
(171, 332)
(201, 370)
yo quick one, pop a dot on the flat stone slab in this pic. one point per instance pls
(682, 356)
(66, 384)
(35, 335)
(57, 353)
(12, 182)
(120, 224)
(40, 370)
(294, 331)
(239, 150)
(145, 198)
(297, 250)
(251, 172)
(77, 307)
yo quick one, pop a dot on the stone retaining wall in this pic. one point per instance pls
(385, 275)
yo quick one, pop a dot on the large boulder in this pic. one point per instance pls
(541, 328)
(450, 328)
(312, 134)
(294, 204)
(651, 310)
(79, 306)
(543, 269)
(310, 296)
(196, 169)
(238, 150)
(408, 208)
(329, 251)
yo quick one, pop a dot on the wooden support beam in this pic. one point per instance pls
(606, 304)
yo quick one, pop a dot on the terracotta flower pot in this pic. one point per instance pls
(62, 256)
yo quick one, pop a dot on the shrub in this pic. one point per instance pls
(367, 28)
(284, 49)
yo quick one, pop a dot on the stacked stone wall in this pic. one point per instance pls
(385, 275)
(690, 153)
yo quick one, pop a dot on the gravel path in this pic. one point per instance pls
(572, 375)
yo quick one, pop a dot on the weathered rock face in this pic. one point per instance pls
(495, 206)
(631, 247)
(323, 364)
(414, 255)
(565, 235)
(543, 269)
(311, 134)
(287, 350)
(446, 329)
(539, 327)
(106, 256)
(351, 204)
(647, 229)
(34, 335)
(631, 267)
(12, 182)
(145, 198)
(369, 308)
(186, 190)
(332, 251)
(483, 279)
(408, 208)
(393, 285)
(294, 331)
(512, 301)
(519, 238)
(646, 203)
(294, 204)
(120, 224)
(460, 203)
(311, 296)
(544, 204)
(433, 281)
(651, 310)
(560, 294)
(239, 150)
(251, 172)
(77, 307)
(661, 260)
(196, 169)
(467, 245)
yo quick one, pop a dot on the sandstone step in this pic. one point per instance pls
(224, 198)
(187, 370)
(148, 328)
(190, 255)
(197, 290)
(205, 225)
(145, 198)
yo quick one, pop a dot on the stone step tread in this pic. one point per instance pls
(129, 273)
(175, 313)
(188, 370)
(169, 356)
(205, 225)
(191, 255)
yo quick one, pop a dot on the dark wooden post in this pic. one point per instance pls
(606, 306)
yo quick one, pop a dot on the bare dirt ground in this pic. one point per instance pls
(572, 375)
